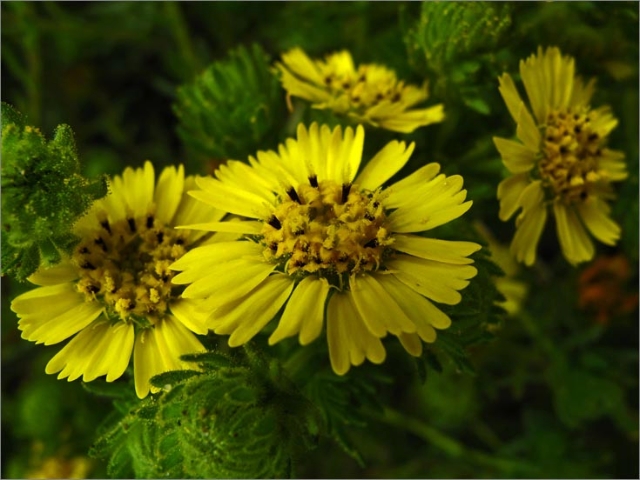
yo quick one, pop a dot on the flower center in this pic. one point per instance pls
(572, 149)
(361, 91)
(126, 266)
(328, 229)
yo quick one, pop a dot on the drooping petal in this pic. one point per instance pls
(192, 317)
(244, 319)
(576, 245)
(437, 281)
(377, 308)
(596, 218)
(304, 312)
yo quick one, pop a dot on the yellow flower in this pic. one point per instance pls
(114, 295)
(371, 93)
(326, 243)
(561, 162)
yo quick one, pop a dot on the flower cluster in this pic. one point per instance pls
(561, 163)
(114, 295)
(318, 232)
(371, 93)
(313, 232)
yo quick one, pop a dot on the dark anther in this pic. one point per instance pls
(298, 232)
(549, 138)
(379, 97)
(376, 204)
(313, 180)
(576, 116)
(583, 195)
(592, 137)
(84, 250)
(180, 241)
(373, 243)
(298, 263)
(160, 236)
(343, 257)
(305, 247)
(346, 188)
(369, 217)
(132, 305)
(165, 278)
(132, 224)
(274, 222)
(327, 80)
(150, 221)
(577, 129)
(395, 98)
(106, 226)
(563, 149)
(346, 85)
(273, 246)
(293, 195)
(100, 241)
(87, 266)
(93, 289)
(356, 99)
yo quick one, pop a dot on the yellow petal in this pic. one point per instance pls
(304, 312)
(509, 193)
(384, 165)
(249, 317)
(594, 214)
(377, 308)
(576, 245)
(229, 280)
(168, 193)
(63, 272)
(411, 343)
(515, 156)
(435, 280)
(432, 249)
(424, 314)
(187, 312)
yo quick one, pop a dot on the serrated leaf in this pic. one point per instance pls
(172, 378)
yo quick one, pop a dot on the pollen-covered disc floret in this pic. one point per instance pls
(327, 244)
(572, 150)
(561, 164)
(327, 228)
(114, 296)
(126, 266)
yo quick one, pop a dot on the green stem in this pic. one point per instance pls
(449, 445)
(542, 340)
(179, 29)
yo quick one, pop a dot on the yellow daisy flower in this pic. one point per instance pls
(325, 243)
(561, 160)
(114, 295)
(371, 93)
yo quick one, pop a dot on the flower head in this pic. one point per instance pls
(330, 244)
(114, 295)
(371, 93)
(561, 160)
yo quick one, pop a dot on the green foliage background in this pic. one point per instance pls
(551, 393)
